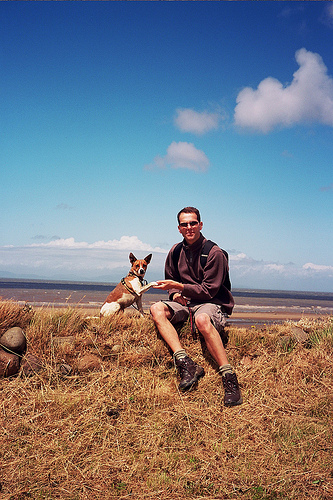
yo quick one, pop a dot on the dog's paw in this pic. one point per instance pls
(153, 283)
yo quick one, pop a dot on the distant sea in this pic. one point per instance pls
(92, 295)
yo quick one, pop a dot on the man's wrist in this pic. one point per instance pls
(175, 295)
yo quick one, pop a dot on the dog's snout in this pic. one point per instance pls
(141, 270)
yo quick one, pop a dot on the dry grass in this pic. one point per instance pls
(124, 430)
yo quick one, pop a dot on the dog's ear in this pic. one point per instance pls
(132, 258)
(148, 258)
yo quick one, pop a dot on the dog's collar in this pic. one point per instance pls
(143, 281)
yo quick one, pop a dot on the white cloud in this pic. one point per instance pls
(70, 259)
(248, 272)
(239, 257)
(327, 17)
(280, 268)
(64, 206)
(317, 267)
(61, 243)
(247, 264)
(287, 154)
(130, 243)
(182, 155)
(308, 98)
(327, 188)
(329, 9)
(109, 261)
(188, 120)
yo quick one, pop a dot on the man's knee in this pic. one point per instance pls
(203, 322)
(159, 311)
(155, 309)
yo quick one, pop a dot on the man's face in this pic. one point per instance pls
(189, 227)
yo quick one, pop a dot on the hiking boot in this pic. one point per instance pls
(232, 394)
(189, 373)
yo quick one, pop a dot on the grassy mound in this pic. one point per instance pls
(116, 426)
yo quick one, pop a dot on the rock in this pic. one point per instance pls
(246, 361)
(299, 335)
(30, 365)
(9, 363)
(61, 341)
(65, 369)
(88, 342)
(88, 363)
(142, 350)
(116, 348)
(14, 340)
(113, 412)
(285, 340)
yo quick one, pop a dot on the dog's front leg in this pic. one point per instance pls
(139, 304)
(147, 287)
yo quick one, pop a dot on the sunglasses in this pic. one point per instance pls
(192, 223)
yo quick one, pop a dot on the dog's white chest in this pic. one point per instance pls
(136, 284)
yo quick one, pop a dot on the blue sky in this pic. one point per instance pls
(115, 115)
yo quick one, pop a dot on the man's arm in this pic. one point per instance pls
(169, 285)
(204, 290)
(173, 285)
(170, 282)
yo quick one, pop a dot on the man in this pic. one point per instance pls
(196, 291)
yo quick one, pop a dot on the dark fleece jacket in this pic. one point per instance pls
(201, 285)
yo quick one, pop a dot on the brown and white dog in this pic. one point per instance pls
(130, 289)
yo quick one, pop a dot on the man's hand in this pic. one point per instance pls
(169, 285)
(173, 285)
(177, 297)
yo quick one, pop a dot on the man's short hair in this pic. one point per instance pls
(189, 210)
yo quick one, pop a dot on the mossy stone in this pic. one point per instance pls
(13, 340)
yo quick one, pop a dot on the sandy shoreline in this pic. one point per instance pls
(257, 318)
(248, 310)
